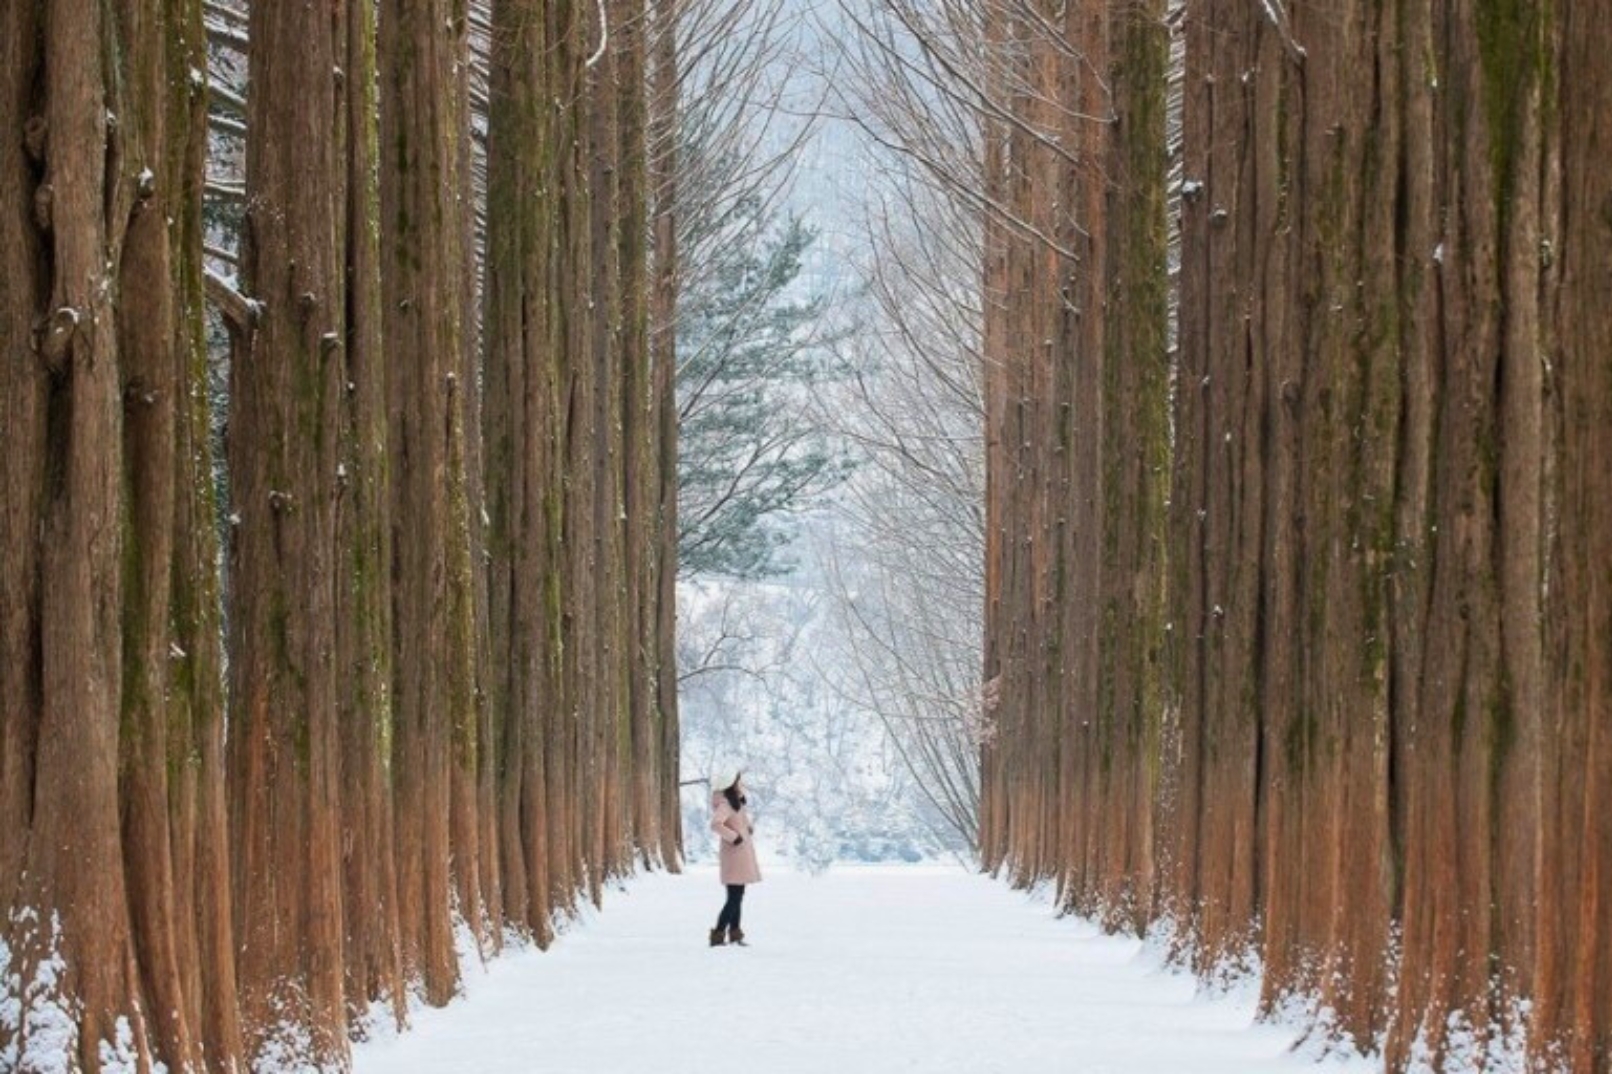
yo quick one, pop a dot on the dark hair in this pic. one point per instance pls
(735, 799)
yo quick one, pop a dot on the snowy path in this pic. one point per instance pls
(862, 970)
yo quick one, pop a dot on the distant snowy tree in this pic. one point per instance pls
(749, 348)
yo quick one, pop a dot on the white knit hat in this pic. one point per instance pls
(723, 778)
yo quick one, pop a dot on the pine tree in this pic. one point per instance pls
(750, 350)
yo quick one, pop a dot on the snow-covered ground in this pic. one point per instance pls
(864, 969)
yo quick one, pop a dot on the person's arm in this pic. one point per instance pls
(721, 824)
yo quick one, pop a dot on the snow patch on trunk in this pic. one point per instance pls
(286, 1050)
(120, 1056)
(1470, 1050)
(10, 1007)
(46, 1021)
(39, 1020)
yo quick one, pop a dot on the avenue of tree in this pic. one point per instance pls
(272, 731)
(344, 649)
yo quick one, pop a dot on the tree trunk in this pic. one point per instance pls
(112, 856)
(24, 387)
(285, 438)
(661, 618)
(1573, 975)
(422, 237)
(370, 902)
(604, 669)
(638, 423)
(524, 450)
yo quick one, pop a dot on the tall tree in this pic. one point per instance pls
(640, 452)
(364, 609)
(664, 19)
(66, 911)
(284, 439)
(112, 863)
(521, 433)
(423, 255)
(571, 412)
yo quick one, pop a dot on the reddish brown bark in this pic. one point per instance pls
(521, 457)
(78, 911)
(572, 525)
(604, 673)
(24, 284)
(422, 253)
(638, 423)
(1574, 921)
(364, 620)
(1348, 722)
(211, 906)
(284, 446)
(110, 864)
(660, 613)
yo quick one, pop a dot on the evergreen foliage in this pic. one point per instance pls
(750, 349)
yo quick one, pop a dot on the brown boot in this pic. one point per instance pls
(736, 935)
(717, 939)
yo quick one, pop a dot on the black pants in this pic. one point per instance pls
(729, 917)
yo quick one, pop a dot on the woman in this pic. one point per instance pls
(731, 823)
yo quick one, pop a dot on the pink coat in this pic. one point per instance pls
(738, 858)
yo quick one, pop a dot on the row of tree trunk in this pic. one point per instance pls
(1298, 592)
(278, 749)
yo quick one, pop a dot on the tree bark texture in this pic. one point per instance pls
(112, 859)
(423, 252)
(285, 432)
(570, 428)
(1299, 625)
(660, 604)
